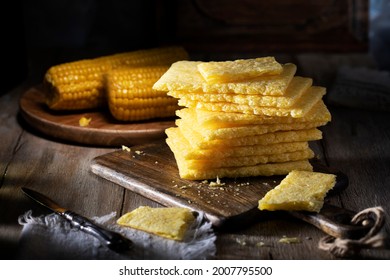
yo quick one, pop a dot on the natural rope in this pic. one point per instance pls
(344, 247)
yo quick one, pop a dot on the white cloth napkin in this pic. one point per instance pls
(52, 237)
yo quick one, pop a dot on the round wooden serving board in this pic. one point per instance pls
(103, 129)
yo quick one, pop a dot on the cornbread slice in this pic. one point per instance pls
(184, 76)
(239, 70)
(294, 91)
(177, 142)
(297, 110)
(210, 119)
(171, 222)
(269, 169)
(300, 190)
(243, 131)
(196, 139)
(203, 164)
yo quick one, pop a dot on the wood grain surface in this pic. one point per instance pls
(151, 170)
(103, 129)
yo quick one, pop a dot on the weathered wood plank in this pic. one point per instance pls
(10, 137)
(285, 25)
(59, 170)
(358, 142)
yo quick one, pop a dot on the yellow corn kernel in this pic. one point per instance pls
(131, 97)
(80, 84)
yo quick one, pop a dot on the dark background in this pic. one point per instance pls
(40, 33)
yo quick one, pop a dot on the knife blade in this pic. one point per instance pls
(111, 239)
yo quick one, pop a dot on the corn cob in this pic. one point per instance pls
(131, 97)
(80, 84)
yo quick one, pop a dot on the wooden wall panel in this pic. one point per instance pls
(277, 25)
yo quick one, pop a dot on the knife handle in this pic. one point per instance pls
(111, 239)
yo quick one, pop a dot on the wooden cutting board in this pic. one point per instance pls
(103, 130)
(150, 170)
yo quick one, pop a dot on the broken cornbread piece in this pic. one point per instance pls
(170, 222)
(184, 76)
(83, 121)
(300, 190)
(239, 70)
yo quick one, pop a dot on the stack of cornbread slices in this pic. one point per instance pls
(249, 117)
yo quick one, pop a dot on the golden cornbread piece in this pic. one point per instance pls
(300, 190)
(171, 222)
(197, 140)
(212, 163)
(210, 119)
(269, 169)
(243, 131)
(239, 70)
(184, 76)
(297, 87)
(299, 109)
(176, 141)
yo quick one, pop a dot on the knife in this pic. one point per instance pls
(111, 239)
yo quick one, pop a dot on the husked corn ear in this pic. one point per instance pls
(83, 95)
(128, 82)
(75, 85)
(145, 113)
(80, 84)
(131, 97)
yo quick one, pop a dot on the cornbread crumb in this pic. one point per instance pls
(241, 242)
(260, 244)
(125, 148)
(83, 121)
(217, 183)
(289, 240)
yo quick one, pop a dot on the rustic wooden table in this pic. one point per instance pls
(356, 142)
